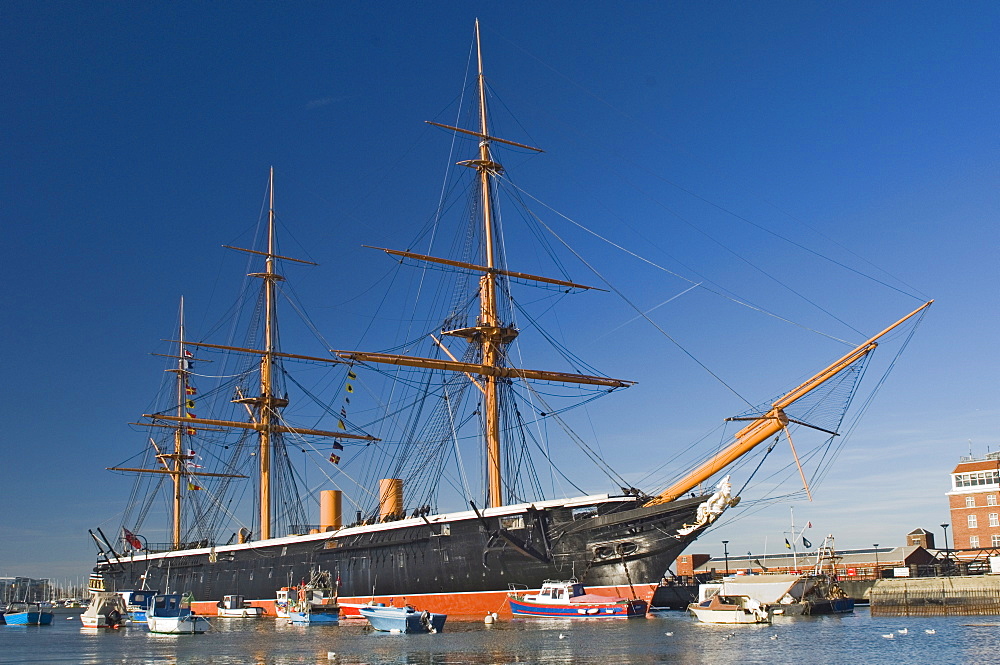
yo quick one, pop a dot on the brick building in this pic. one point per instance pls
(921, 537)
(687, 564)
(974, 500)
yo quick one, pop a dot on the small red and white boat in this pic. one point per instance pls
(569, 600)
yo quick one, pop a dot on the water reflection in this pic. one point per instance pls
(670, 637)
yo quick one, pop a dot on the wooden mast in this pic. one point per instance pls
(266, 417)
(772, 422)
(267, 406)
(175, 464)
(183, 369)
(490, 333)
(493, 335)
(178, 458)
(266, 403)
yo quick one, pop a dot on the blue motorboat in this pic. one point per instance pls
(314, 602)
(169, 613)
(136, 602)
(313, 605)
(315, 615)
(27, 614)
(402, 619)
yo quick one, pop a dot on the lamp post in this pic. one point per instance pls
(877, 575)
(946, 553)
(725, 551)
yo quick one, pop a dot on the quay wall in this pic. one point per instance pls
(936, 596)
(857, 590)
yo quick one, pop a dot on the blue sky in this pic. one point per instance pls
(715, 138)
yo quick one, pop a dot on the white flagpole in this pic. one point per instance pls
(795, 558)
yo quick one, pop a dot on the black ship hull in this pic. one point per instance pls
(604, 542)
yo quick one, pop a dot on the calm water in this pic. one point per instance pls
(846, 640)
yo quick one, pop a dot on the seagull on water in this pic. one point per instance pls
(929, 631)
(889, 636)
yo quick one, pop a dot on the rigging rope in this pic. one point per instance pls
(738, 301)
(643, 315)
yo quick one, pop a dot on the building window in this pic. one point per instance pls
(974, 541)
(991, 499)
(994, 519)
(970, 502)
(973, 522)
(977, 478)
(996, 540)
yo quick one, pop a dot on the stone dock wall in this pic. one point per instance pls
(936, 596)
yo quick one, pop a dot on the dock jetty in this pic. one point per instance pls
(936, 596)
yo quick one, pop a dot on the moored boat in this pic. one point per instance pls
(730, 609)
(406, 619)
(27, 614)
(106, 610)
(167, 613)
(315, 601)
(570, 600)
(136, 603)
(784, 594)
(281, 600)
(792, 594)
(235, 607)
(313, 612)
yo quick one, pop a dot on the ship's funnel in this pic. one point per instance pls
(329, 510)
(390, 497)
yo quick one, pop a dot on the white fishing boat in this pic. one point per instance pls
(730, 609)
(790, 594)
(107, 610)
(168, 614)
(235, 607)
(281, 601)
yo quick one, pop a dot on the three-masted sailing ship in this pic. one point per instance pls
(458, 562)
